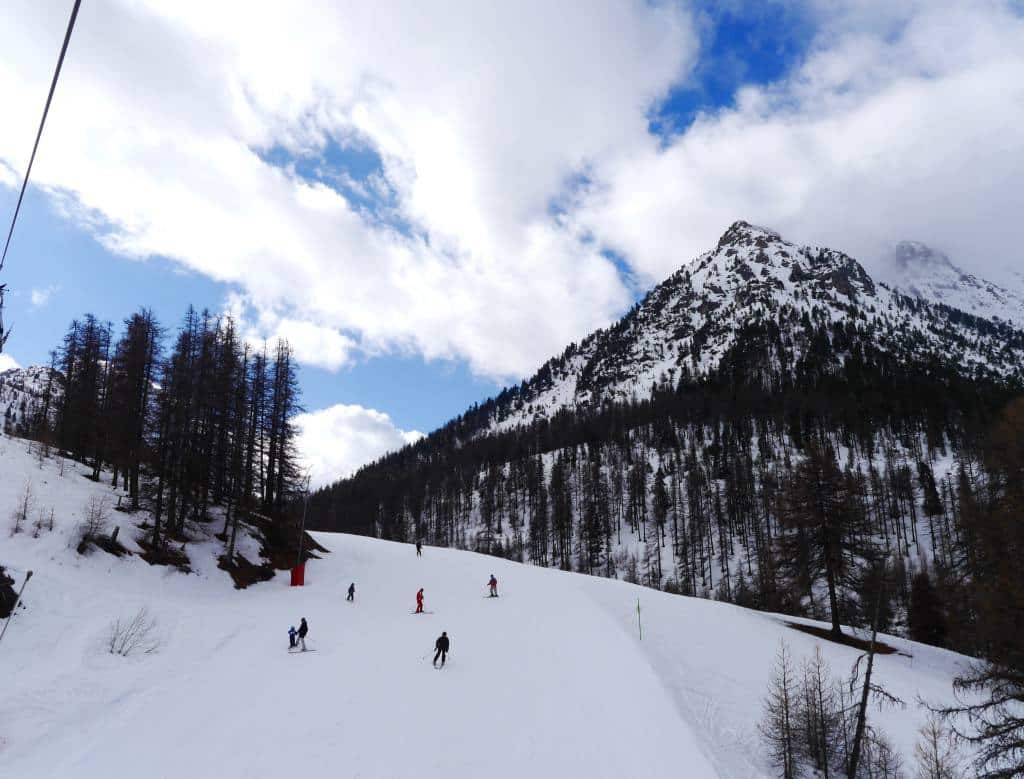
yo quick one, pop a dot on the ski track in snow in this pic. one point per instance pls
(551, 680)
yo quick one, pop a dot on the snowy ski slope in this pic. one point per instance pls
(549, 680)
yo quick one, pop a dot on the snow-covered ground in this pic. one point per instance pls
(549, 680)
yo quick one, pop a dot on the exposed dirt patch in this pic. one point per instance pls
(244, 573)
(280, 544)
(165, 554)
(847, 640)
(108, 543)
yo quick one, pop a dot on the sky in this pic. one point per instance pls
(428, 201)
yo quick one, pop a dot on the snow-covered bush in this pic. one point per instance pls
(134, 636)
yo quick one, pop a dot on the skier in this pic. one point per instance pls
(303, 630)
(291, 637)
(493, 584)
(441, 645)
(351, 592)
(419, 548)
(419, 601)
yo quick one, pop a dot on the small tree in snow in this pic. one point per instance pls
(780, 715)
(134, 636)
(94, 523)
(935, 752)
(40, 524)
(820, 721)
(880, 760)
(24, 507)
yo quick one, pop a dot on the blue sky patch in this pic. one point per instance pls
(755, 44)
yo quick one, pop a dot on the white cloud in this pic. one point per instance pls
(902, 122)
(898, 124)
(7, 362)
(8, 178)
(481, 114)
(314, 343)
(40, 297)
(334, 442)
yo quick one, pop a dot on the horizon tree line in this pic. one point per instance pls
(205, 422)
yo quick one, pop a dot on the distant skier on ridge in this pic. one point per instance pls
(493, 584)
(351, 592)
(419, 548)
(441, 646)
(419, 601)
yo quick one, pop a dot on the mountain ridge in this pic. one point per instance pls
(929, 274)
(686, 324)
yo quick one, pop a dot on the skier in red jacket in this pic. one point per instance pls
(419, 601)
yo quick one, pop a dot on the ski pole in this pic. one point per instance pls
(17, 602)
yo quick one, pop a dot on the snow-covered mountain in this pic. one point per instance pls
(753, 277)
(551, 679)
(927, 273)
(22, 391)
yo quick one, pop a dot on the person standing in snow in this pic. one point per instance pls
(419, 548)
(419, 601)
(291, 637)
(441, 646)
(493, 584)
(351, 592)
(303, 630)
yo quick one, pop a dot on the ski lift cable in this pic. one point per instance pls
(42, 122)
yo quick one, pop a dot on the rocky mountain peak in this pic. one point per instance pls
(754, 281)
(742, 233)
(749, 260)
(926, 273)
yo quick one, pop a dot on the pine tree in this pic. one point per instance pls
(997, 545)
(821, 721)
(925, 619)
(781, 714)
(820, 509)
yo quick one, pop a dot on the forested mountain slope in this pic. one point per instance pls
(768, 426)
(25, 394)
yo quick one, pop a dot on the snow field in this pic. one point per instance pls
(549, 680)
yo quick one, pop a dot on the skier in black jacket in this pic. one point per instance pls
(303, 630)
(352, 591)
(441, 645)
